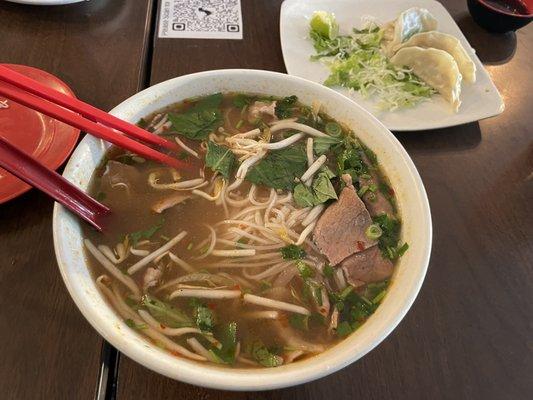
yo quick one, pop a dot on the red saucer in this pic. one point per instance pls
(46, 139)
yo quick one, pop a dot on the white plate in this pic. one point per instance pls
(46, 2)
(479, 100)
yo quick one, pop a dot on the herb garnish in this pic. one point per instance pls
(220, 158)
(200, 120)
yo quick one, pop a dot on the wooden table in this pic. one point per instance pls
(468, 335)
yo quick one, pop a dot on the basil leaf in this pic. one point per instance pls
(319, 192)
(279, 168)
(220, 158)
(323, 143)
(165, 313)
(200, 120)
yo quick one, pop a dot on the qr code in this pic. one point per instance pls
(210, 19)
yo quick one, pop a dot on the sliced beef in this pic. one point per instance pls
(340, 230)
(120, 176)
(169, 201)
(366, 267)
(375, 201)
(260, 109)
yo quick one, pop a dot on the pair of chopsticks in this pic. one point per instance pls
(85, 117)
(76, 113)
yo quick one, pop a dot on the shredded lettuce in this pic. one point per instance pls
(357, 62)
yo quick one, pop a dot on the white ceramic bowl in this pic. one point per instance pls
(408, 277)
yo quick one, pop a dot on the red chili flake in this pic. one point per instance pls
(391, 191)
(360, 245)
(237, 287)
(162, 326)
(175, 353)
(211, 306)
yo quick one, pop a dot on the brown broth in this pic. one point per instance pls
(132, 207)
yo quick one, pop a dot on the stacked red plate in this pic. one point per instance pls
(44, 138)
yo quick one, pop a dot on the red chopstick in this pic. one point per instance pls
(50, 182)
(38, 89)
(97, 129)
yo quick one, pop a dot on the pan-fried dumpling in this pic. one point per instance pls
(450, 44)
(436, 67)
(409, 22)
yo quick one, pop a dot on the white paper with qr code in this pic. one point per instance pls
(200, 19)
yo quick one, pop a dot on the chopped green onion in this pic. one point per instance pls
(373, 232)
(328, 271)
(362, 191)
(239, 124)
(333, 129)
(190, 246)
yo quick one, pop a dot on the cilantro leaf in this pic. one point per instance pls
(203, 316)
(220, 158)
(227, 336)
(264, 356)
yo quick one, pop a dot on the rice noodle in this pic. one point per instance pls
(163, 249)
(309, 152)
(212, 243)
(292, 355)
(139, 252)
(280, 305)
(201, 350)
(306, 232)
(338, 276)
(126, 280)
(308, 175)
(313, 214)
(106, 251)
(297, 126)
(269, 314)
(186, 266)
(186, 148)
(125, 312)
(268, 272)
(162, 128)
(206, 293)
(199, 277)
(165, 330)
(233, 253)
(283, 143)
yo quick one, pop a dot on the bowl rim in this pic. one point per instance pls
(504, 12)
(262, 378)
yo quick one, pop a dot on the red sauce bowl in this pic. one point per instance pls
(501, 15)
